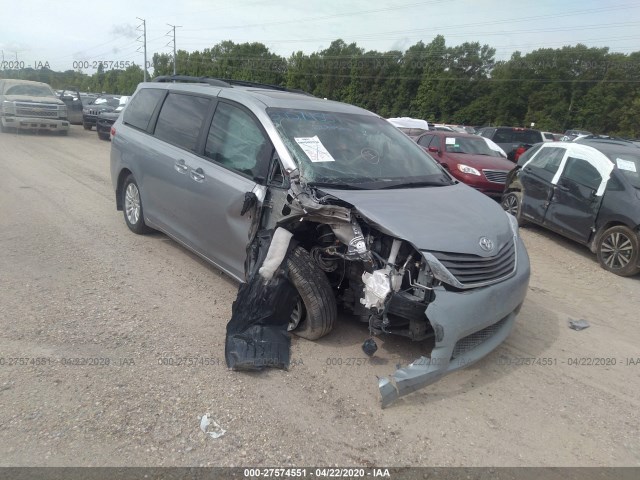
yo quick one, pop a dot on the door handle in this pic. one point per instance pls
(197, 175)
(180, 166)
(564, 188)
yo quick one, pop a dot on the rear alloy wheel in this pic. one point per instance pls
(512, 203)
(132, 207)
(315, 312)
(618, 251)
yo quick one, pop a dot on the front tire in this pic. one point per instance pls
(316, 311)
(86, 126)
(618, 251)
(512, 203)
(103, 136)
(132, 207)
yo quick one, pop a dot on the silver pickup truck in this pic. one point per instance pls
(27, 105)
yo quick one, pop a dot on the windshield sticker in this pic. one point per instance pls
(314, 149)
(450, 141)
(626, 165)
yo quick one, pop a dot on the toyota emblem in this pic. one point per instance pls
(486, 244)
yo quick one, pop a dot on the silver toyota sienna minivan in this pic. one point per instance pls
(380, 229)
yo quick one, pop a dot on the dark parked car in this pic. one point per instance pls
(104, 103)
(469, 159)
(587, 190)
(107, 118)
(377, 226)
(513, 140)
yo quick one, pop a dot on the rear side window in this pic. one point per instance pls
(503, 136)
(424, 140)
(582, 172)
(527, 136)
(141, 108)
(181, 119)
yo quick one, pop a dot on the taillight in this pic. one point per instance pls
(519, 151)
(113, 131)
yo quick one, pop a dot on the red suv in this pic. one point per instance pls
(469, 159)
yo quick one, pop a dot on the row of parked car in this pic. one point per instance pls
(586, 188)
(93, 110)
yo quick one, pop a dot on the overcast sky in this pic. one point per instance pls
(62, 32)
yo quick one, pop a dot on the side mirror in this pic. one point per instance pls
(434, 149)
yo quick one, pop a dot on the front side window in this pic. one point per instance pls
(582, 173)
(548, 159)
(181, 119)
(347, 150)
(236, 141)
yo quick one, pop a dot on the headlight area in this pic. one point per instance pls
(513, 222)
(468, 170)
(396, 295)
(7, 108)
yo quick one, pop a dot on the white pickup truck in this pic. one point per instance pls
(27, 105)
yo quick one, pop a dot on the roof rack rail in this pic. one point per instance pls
(605, 137)
(216, 82)
(223, 82)
(246, 83)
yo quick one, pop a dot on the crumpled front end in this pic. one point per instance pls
(468, 325)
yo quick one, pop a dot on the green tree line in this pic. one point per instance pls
(557, 89)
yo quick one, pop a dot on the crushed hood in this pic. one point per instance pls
(447, 219)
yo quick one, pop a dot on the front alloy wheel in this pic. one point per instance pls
(618, 250)
(512, 203)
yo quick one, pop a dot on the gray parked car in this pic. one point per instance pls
(378, 227)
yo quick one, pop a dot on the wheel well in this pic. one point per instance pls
(124, 173)
(601, 230)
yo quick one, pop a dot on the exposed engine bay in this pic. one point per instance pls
(382, 280)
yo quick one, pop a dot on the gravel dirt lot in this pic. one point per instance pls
(76, 284)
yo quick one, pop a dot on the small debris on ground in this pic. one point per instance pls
(578, 324)
(369, 346)
(211, 427)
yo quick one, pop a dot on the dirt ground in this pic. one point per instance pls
(76, 284)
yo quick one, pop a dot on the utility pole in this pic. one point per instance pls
(173, 27)
(144, 41)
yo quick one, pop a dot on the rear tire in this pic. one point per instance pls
(319, 309)
(618, 251)
(132, 207)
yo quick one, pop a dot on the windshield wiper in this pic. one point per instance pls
(338, 186)
(416, 184)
